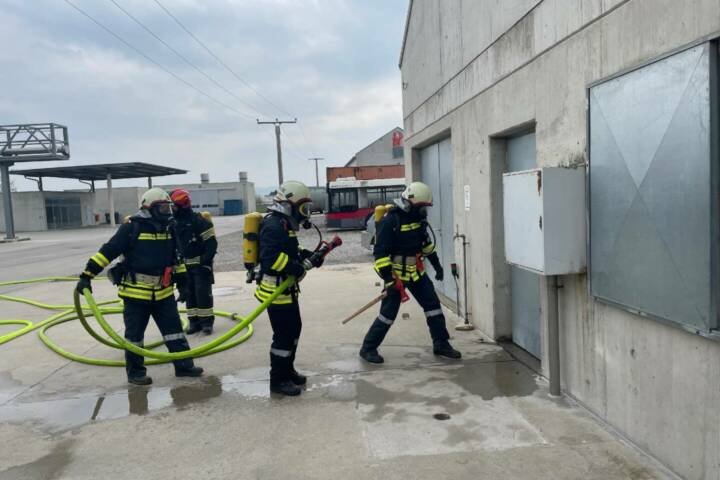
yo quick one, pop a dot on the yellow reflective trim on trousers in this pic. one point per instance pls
(409, 227)
(281, 262)
(382, 262)
(180, 268)
(292, 234)
(281, 300)
(207, 234)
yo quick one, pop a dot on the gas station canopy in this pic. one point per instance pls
(102, 172)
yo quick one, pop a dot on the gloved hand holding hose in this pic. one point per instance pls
(83, 283)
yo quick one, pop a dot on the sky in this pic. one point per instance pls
(330, 63)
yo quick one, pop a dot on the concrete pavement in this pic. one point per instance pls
(64, 252)
(417, 416)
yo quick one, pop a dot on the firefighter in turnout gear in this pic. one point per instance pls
(150, 265)
(198, 245)
(401, 243)
(280, 256)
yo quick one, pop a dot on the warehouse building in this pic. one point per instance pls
(386, 150)
(50, 210)
(624, 91)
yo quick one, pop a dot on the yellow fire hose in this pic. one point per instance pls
(99, 310)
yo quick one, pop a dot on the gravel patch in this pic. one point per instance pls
(229, 256)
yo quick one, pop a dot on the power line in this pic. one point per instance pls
(184, 59)
(156, 63)
(219, 60)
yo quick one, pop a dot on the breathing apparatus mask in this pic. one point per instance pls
(162, 212)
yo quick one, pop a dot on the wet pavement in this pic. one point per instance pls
(416, 416)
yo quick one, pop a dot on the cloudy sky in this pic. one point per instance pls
(330, 63)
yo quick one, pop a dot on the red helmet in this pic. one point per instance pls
(181, 198)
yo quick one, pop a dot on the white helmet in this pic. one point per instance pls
(153, 196)
(417, 194)
(159, 204)
(297, 195)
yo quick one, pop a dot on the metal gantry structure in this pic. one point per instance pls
(30, 142)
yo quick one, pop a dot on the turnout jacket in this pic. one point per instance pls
(279, 256)
(196, 236)
(148, 249)
(402, 239)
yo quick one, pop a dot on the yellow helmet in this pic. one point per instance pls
(418, 194)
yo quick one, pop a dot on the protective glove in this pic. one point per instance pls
(391, 288)
(317, 259)
(435, 262)
(83, 283)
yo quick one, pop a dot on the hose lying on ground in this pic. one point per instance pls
(79, 312)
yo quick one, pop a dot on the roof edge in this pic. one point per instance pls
(405, 34)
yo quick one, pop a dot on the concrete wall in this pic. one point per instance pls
(30, 214)
(126, 201)
(380, 152)
(478, 70)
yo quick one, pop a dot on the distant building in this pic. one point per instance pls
(386, 150)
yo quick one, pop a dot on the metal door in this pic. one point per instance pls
(524, 285)
(437, 173)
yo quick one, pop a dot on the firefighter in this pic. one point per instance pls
(150, 264)
(401, 243)
(280, 256)
(198, 244)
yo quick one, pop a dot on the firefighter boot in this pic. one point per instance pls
(443, 348)
(285, 387)
(194, 327)
(298, 378)
(371, 356)
(142, 380)
(189, 372)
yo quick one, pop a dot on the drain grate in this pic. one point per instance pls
(441, 416)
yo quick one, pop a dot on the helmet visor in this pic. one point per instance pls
(163, 208)
(305, 209)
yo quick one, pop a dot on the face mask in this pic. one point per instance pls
(301, 213)
(162, 213)
(422, 211)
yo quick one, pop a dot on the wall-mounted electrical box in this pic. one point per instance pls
(544, 216)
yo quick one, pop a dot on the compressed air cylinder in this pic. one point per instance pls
(250, 239)
(380, 212)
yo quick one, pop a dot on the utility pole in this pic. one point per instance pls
(317, 175)
(278, 145)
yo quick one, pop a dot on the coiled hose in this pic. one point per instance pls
(77, 311)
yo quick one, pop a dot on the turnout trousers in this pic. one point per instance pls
(136, 315)
(200, 297)
(286, 326)
(424, 292)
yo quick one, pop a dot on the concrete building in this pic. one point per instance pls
(386, 150)
(219, 198)
(47, 210)
(491, 87)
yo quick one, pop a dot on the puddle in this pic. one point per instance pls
(61, 415)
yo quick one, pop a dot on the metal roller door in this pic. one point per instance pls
(437, 172)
